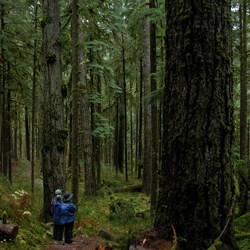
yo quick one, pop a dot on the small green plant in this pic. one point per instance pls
(121, 208)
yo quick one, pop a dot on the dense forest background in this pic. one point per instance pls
(154, 92)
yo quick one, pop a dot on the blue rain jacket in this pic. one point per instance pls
(68, 210)
(56, 211)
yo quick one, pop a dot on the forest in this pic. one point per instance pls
(139, 109)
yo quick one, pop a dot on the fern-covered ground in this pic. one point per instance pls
(107, 219)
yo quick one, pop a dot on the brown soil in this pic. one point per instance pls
(80, 242)
(149, 240)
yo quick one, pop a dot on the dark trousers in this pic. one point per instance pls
(58, 232)
(68, 232)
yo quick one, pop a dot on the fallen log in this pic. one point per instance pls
(130, 189)
(8, 231)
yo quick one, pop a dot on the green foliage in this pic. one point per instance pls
(242, 223)
(103, 129)
(242, 228)
(19, 207)
(121, 208)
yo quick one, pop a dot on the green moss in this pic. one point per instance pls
(242, 228)
(242, 223)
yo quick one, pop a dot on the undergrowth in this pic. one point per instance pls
(120, 214)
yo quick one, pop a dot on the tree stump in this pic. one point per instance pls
(8, 231)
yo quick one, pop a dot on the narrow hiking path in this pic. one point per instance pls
(80, 242)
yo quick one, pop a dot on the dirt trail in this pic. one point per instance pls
(80, 243)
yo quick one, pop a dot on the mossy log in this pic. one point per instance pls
(8, 231)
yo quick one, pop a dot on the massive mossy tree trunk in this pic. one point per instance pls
(53, 130)
(196, 186)
(244, 154)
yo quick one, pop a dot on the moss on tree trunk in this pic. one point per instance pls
(196, 187)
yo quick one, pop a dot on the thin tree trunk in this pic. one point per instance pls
(33, 122)
(154, 118)
(147, 163)
(8, 128)
(27, 132)
(89, 159)
(125, 110)
(96, 141)
(116, 137)
(131, 130)
(75, 101)
(20, 134)
(120, 142)
(140, 147)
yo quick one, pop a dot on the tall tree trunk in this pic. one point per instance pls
(75, 101)
(33, 121)
(140, 121)
(27, 132)
(97, 141)
(15, 133)
(147, 163)
(243, 200)
(131, 129)
(54, 133)
(196, 192)
(116, 136)
(3, 97)
(8, 127)
(154, 118)
(125, 110)
(89, 161)
(20, 137)
(120, 141)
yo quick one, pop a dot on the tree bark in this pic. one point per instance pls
(54, 133)
(154, 115)
(243, 199)
(75, 101)
(88, 149)
(125, 109)
(196, 192)
(146, 71)
(34, 99)
(27, 133)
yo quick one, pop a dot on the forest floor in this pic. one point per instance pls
(87, 228)
(80, 242)
(148, 240)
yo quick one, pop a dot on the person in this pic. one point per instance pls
(56, 214)
(68, 210)
(57, 192)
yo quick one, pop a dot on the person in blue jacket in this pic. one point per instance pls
(68, 210)
(56, 214)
